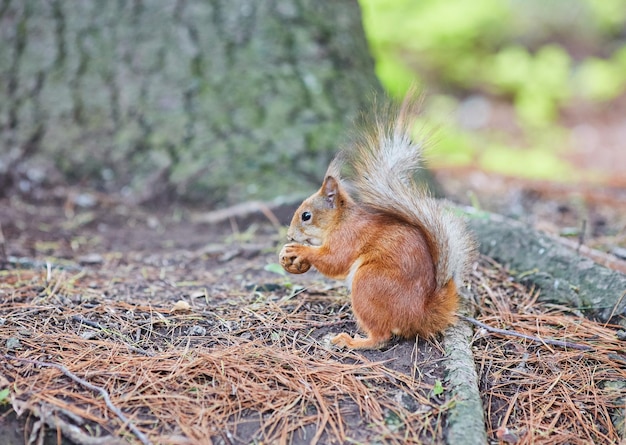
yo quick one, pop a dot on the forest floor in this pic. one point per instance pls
(126, 325)
(121, 324)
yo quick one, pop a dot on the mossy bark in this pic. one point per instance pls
(213, 100)
(559, 272)
(466, 418)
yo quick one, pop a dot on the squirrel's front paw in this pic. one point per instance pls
(291, 260)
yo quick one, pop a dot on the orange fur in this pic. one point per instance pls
(393, 289)
(396, 247)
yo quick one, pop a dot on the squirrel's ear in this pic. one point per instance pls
(330, 191)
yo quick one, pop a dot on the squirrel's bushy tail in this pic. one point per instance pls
(380, 168)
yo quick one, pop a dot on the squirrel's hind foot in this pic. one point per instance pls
(370, 342)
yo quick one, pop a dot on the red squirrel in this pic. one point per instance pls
(402, 254)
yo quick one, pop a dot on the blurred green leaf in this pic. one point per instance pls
(600, 80)
(275, 268)
(4, 395)
(438, 388)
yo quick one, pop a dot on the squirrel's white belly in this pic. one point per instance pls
(355, 266)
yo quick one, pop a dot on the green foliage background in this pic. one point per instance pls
(539, 56)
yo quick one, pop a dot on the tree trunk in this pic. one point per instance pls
(562, 275)
(203, 99)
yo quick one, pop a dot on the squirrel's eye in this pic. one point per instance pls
(306, 216)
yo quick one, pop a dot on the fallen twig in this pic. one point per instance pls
(617, 303)
(48, 415)
(105, 395)
(93, 324)
(3, 253)
(562, 344)
(30, 263)
(83, 320)
(242, 210)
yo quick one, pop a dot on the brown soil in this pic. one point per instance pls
(196, 341)
(153, 306)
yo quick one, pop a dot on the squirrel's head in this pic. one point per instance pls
(319, 213)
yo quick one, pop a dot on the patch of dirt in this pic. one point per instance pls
(196, 340)
(597, 138)
(191, 337)
(538, 393)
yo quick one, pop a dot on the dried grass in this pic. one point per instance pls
(224, 376)
(537, 393)
(251, 365)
